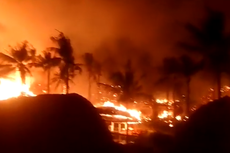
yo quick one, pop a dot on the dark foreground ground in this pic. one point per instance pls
(70, 124)
(52, 124)
(207, 130)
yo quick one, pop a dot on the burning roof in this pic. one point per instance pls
(112, 114)
(110, 110)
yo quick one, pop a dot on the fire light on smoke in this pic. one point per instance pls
(13, 87)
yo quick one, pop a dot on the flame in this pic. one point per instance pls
(132, 112)
(161, 101)
(165, 114)
(178, 118)
(10, 88)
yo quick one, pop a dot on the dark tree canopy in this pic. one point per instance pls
(207, 130)
(127, 82)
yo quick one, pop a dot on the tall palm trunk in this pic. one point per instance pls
(167, 94)
(187, 106)
(174, 101)
(174, 96)
(23, 79)
(22, 75)
(67, 82)
(218, 85)
(48, 81)
(98, 88)
(89, 87)
(155, 110)
(67, 79)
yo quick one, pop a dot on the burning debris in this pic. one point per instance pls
(130, 114)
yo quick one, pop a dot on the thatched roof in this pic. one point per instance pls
(52, 124)
(207, 130)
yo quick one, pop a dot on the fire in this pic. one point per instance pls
(178, 118)
(134, 113)
(165, 114)
(13, 87)
(161, 101)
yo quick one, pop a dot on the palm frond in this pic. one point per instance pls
(77, 67)
(7, 58)
(56, 79)
(20, 53)
(27, 70)
(117, 78)
(53, 49)
(71, 80)
(5, 70)
(5, 66)
(196, 32)
(55, 61)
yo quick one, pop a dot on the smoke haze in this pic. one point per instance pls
(127, 29)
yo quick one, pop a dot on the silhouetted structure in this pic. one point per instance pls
(52, 124)
(207, 129)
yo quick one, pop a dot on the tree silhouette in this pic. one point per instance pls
(65, 50)
(212, 43)
(171, 78)
(62, 77)
(188, 68)
(5, 70)
(47, 62)
(94, 70)
(170, 71)
(20, 57)
(126, 81)
(175, 70)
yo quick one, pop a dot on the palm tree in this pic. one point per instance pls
(171, 78)
(65, 50)
(63, 77)
(47, 62)
(188, 68)
(170, 71)
(5, 70)
(94, 70)
(20, 57)
(126, 81)
(212, 43)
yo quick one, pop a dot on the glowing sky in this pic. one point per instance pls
(153, 25)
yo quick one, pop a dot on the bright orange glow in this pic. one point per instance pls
(161, 101)
(165, 114)
(132, 112)
(170, 125)
(13, 87)
(165, 101)
(178, 118)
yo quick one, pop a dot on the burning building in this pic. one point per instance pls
(122, 122)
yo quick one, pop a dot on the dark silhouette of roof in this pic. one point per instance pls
(207, 130)
(52, 124)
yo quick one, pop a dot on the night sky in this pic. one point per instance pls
(107, 28)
